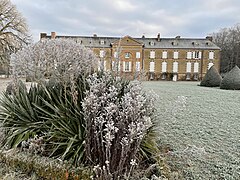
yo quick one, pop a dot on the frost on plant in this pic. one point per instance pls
(61, 59)
(118, 115)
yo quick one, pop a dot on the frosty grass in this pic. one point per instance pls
(201, 127)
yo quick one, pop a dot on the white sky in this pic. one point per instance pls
(187, 18)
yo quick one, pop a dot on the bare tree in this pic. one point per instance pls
(228, 39)
(13, 30)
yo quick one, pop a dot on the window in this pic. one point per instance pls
(102, 42)
(210, 65)
(127, 55)
(164, 67)
(197, 54)
(138, 66)
(164, 54)
(102, 53)
(137, 55)
(152, 54)
(116, 66)
(189, 67)
(152, 43)
(175, 67)
(152, 66)
(211, 55)
(196, 67)
(175, 55)
(127, 66)
(115, 55)
(189, 55)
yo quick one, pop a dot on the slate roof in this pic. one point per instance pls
(151, 43)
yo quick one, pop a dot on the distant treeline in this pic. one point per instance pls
(228, 39)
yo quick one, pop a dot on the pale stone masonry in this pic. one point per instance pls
(158, 58)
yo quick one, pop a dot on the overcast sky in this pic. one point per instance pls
(187, 18)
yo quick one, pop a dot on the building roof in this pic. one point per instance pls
(151, 43)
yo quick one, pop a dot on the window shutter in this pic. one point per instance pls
(130, 66)
(175, 67)
(193, 55)
(164, 67)
(152, 64)
(189, 67)
(196, 67)
(200, 55)
(189, 55)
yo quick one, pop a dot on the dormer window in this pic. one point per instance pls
(174, 43)
(102, 42)
(152, 43)
(195, 43)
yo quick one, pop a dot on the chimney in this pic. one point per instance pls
(143, 36)
(210, 38)
(158, 37)
(177, 37)
(43, 35)
(53, 35)
(94, 35)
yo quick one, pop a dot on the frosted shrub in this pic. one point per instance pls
(118, 116)
(212, 78)
(61, 59)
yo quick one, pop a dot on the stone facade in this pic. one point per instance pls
(154, 58)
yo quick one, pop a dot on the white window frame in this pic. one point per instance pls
(196, 67)
(189, 55)
(114, 66)
(164, 67)
(138, 66)
(101, 53)
(152, 54)
(102, 42)
(115, 54)
(197, 55)
(127, 66)
(152, 43)
(175, 67)
(189, 67)
(127, 55)
(175, 54)
(138, 55)
(211, 55)
(152, 66)
(164, 54)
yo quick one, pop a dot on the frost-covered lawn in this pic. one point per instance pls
(201, 127)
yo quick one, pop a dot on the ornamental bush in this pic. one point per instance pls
(232, 80)
(212, 78)
(118, 115)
